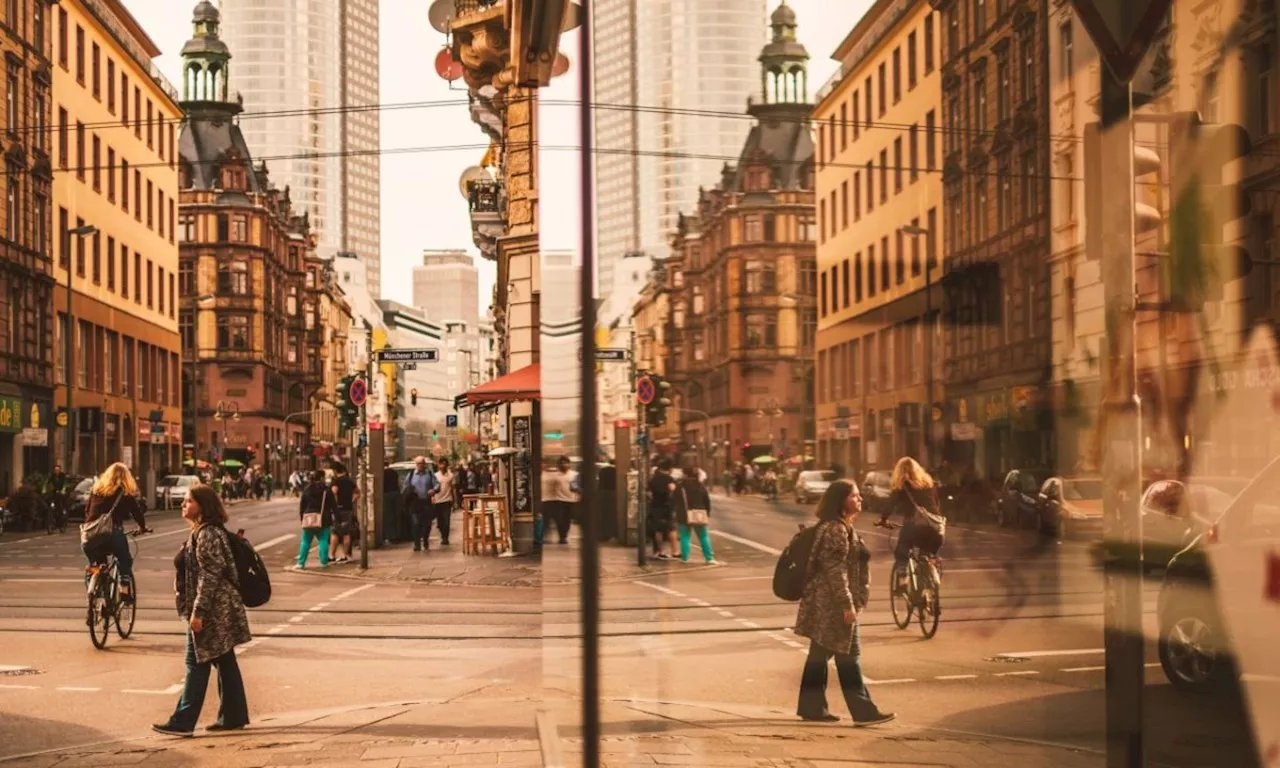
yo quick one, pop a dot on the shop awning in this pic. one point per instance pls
(522, 385)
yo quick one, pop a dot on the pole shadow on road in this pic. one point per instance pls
(37, 734)
(1182, 731)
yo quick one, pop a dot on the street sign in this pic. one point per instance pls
(358, 392)
(451, 420)
(611, 355)
(1122, 31)
(645, 390)
(408, 355)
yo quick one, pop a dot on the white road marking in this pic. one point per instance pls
(956, 677)
(175, 688)
(1019, 673)
(1082, 669)
(724, 613)
(8, 669)
(749, 624)
(895, 681)
(18, 687)
(275, 541)
(1041, 654)
(747, 542)
(73, 689)
(352, 592)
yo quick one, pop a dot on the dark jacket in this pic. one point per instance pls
(317, 498)
(207, 586)
(905, 500)
(839, 580)
(127, 507)
(688, 496)
(660, 493)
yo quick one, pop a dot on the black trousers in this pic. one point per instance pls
(559, 512)
(420, 516)
(813, 683)
(444, 517)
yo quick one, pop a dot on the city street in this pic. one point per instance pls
(320, 643)
(1018, 656)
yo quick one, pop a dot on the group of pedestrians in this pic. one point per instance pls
(678, 509)
(430, 496)
(327, 513)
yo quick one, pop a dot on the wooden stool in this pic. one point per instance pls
(485, 528)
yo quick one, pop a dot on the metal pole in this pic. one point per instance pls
(69, 344)
(642, 485)
(366, 499)
(589, 425)
(1121, 434)
(928, 359)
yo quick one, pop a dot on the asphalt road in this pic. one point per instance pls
(1018, 655)
(320, 642)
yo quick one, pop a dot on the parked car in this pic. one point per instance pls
(1173, 514)
(1211, 612)
(1072, 504)
(875, 492)
(1016, 503)
(172, 490)
(811, 484)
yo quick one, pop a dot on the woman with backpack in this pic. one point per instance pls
(207, 596)
(914, 495)
(691, 504)
(836, 590)
(315, 511)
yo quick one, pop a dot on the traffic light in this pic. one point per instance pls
(655, 413)
(1200, 259)
(348, 414)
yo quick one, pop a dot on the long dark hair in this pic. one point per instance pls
(832, 505)
(211, 509)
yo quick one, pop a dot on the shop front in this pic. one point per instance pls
(24, 440)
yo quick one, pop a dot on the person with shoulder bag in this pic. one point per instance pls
(836, 590)
(315, 511)
(914, 495)
(112, 500)
(692, 506)
(207, 596)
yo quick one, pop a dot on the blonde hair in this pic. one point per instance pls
(116, 477)
(909, 472)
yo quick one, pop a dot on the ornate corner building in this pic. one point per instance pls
(742, 317)
(262, 318)
(26, 266)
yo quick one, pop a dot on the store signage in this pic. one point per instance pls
(35, 438)
(522, 466)
(10, 414)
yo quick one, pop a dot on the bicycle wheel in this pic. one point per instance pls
(899, 600)
(930, 608)
(99, 618)
(127, 612)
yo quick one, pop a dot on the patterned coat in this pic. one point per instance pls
(207, 585)
(838, 580)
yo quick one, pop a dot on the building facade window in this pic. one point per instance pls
(233, 279)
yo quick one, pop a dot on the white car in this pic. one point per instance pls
(811, 484)
(172, 490)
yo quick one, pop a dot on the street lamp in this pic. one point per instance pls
(930, 328)
(768, 406)
(73, 425)
(226, 410)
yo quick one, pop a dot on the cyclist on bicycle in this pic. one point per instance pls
(914, 495)
(115, 493)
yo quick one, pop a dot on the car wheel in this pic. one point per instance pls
(1192, 652)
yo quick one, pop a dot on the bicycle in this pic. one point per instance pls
(922, 595)
(107, 602)
(55, 517)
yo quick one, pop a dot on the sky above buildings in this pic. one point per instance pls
(428, 138)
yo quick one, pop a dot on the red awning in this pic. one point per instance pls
(524, 384)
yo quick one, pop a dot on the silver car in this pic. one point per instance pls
(811, 484)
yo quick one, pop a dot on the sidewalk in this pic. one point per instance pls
(472, 732)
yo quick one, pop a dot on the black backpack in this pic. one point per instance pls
(792, 571)
(255, 584)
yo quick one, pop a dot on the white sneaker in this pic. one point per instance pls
(713, 561)
(296, 567)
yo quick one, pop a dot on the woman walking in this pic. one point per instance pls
(692, 505)
(207, 595)
(315, 511)
(835, 592)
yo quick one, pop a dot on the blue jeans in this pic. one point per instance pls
(813, 683)
(233, 707)
(117, 545)
(704, 539)
(320, 536)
